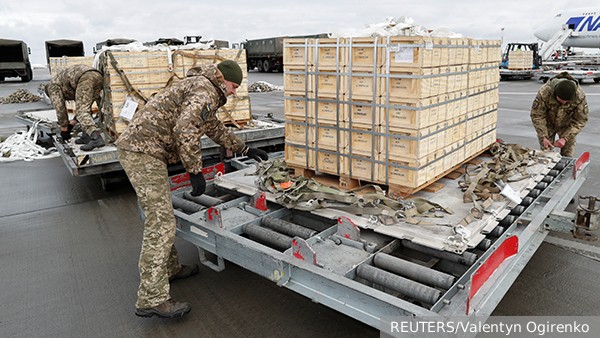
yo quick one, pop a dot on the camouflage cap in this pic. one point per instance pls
(231, 71)
(565, 89)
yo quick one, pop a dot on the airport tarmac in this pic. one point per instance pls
(69, 251)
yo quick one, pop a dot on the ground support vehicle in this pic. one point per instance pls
(14, 60)
(519, 61)
(372, 272)
(578, 73)
(263, 132)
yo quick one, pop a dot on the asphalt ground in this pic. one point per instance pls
(69, 252)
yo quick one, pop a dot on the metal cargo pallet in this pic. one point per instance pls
(265, 132)
(366, 275)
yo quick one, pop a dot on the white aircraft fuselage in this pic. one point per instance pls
(585, 23)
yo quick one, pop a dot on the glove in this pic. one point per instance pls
(257, 154)
(560, 142)
(547, 144)
(198, 184)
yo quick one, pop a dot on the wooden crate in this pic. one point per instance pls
(298, 80)
(57, 63)
(299, 106)
(298, 52)
(299, 132)
(361, 113)
(416, 83)
(458, 78)
(412, 144)
(457, 105)
(329, 54)
(358, 167)
(455, 131)
(327, 136)
(329, 83)
(360, 141)
(362, 85)
(328, 108)
(138, 77)
(411, 114)
(328, 162)
(364, 54)
(299, 155)
(414, 52)
(458, 53)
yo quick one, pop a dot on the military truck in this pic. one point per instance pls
(14, 60)
(63, 47)
(267, 54)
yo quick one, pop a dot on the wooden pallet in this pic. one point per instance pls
(340, 182)
(394, 191)
(433, 185)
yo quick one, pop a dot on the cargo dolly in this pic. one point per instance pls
(333, 259)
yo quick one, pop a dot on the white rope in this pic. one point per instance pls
(22, 146)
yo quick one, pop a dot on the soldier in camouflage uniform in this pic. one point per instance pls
(165, 131)
(82, 84)
(559, 109)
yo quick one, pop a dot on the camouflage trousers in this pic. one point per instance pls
(158, 258)
(569, 147)
(87, 91)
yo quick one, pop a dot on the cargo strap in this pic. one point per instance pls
(304, 193)
(130, 88)
(509, 164)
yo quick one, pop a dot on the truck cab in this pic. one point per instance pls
(14, 60)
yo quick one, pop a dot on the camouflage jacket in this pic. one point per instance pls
(547, 114)
(68, 78)
(170, 126)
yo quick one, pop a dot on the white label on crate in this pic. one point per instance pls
(428, 45)
(404, 54)
(511, 194)
(128, 109)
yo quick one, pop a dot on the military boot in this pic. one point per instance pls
(168, 309)
(96, 141)
(83, 139)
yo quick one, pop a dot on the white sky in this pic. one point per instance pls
(36, 21)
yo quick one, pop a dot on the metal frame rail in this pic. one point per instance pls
(334, 263)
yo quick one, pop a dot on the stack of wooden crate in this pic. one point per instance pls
(396, 110)
(149, 71)
(520, 59)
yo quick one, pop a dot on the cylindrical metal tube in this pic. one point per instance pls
(205, 200)
(268, 236)
(484, 244)
(288, 228)
(405, 286)
(187, 206)
(413, 271)
(497, 231)
(466, 258)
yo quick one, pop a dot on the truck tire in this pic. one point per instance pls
(1, 78)
(267, 66)
(259, 66)
(28, 74)
(596, 80)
